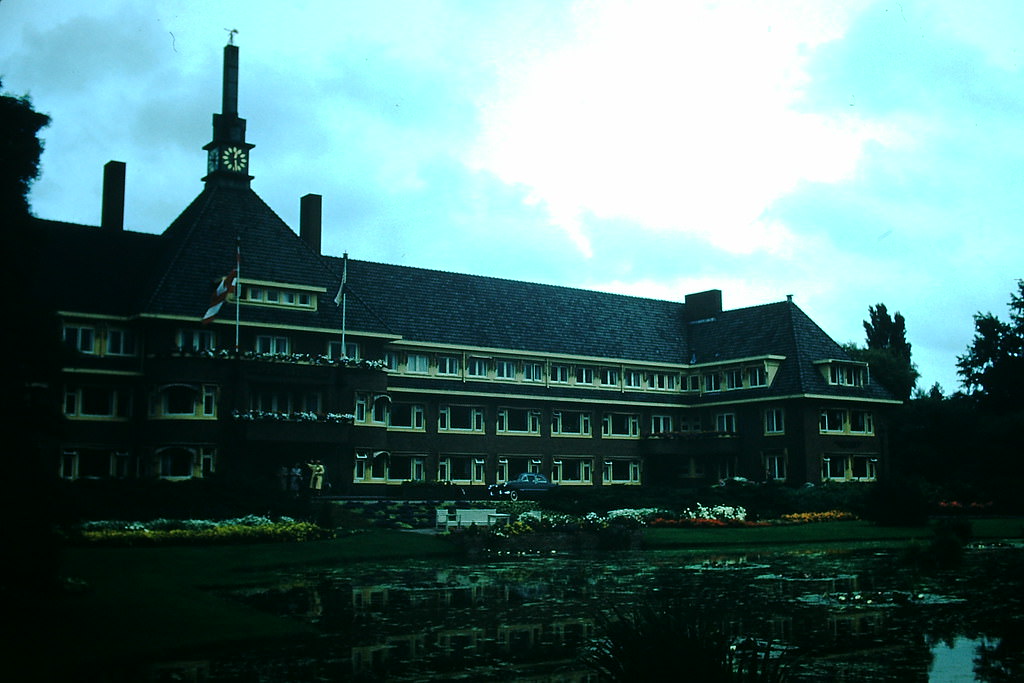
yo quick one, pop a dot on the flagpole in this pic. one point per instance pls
(344, 300)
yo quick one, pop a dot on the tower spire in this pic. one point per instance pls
(227, 162)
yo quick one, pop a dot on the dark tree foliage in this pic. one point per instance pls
(888, 352)
(29, 374)
(20, 150)
(992, 369)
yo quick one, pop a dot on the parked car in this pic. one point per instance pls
(526, 485)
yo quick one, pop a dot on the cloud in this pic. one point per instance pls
(676, 117)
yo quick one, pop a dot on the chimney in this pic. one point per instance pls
(112, 217)
(703, 305)
(310, 221)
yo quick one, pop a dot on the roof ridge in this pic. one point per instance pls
(494, 278)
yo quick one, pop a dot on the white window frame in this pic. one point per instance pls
(558, 423)
(633, 471)
(827, 421)
(583, 465)
(725, 423)
(757, 377)
(661, 424)
(477, 367)
(775, 420)
(559, 373)
(417, 363)
(475, 414)
(417, 416)
(661, 381)
(449, 366)
(533, 371)
(733, 379)
(632, 379)
(272, 344)
(505, 369)
(81, 337)
(584, 375)
(609, 377)
(504, 420)
(864, 425)
(610, 421)
(712, 383)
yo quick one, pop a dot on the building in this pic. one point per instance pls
(392, 375)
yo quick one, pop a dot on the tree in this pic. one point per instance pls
(20, 150)
(993, 366)
(888, 352)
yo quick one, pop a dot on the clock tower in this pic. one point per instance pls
(227, 155)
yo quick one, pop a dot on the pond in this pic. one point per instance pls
(865, 614)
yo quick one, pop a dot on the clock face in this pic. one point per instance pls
(233, 159)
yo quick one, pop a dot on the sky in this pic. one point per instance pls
(846, 153)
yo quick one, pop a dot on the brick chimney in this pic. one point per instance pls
(112, 217)
(703, 305)
(310, 221)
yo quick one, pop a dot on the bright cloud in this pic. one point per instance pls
(678, 117)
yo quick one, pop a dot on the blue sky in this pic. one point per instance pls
(848, 153)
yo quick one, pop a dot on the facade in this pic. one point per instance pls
(392, 375)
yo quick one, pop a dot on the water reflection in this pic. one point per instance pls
(837, 616)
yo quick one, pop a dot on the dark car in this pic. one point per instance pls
(526, 485)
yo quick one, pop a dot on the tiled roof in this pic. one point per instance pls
(124, 273)
(87, 268)
(479, 311)
(199, 248)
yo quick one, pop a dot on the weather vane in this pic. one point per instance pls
(231, 35)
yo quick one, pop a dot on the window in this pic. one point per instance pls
(460, 418)
(620, 425)
(846, 375)
(572, 470)
(774, 421)
(196, 340)
(712, 383)
(609, 377)
(359, 411)
(661, 424)
(863, 467)
(621, 471)
(209, 401)
(448, 365)
(559, 374)
(406, 468)
(570, 422)
(276, 296)
(584, 375)
(476, 367)
(862, 422)
(533, 372)
(693, 383)
(272, 345)
(662, 381)
(417, 363)
(832, 420)
(406, 416)
(93, 401)
(176, 463)
(372, 408)
(757, 377)
(834, 467)
(519, 420)
(505, 369)
(631, 379)
(734, 379)
(775, 466)
(458, 468)
(351, 350)
(120, 342)
(82, 338)
(725, 423)
(390, 360)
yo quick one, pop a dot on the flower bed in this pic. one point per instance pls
(811, 517)
(250, 529)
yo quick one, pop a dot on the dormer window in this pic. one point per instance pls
(844, 373)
